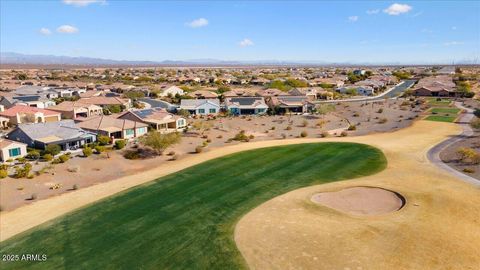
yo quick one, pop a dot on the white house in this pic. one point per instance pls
(173, 91)
(200, 106)
(11, 149)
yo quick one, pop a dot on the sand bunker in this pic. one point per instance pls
(363, 201)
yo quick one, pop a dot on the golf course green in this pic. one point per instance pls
(186, 220)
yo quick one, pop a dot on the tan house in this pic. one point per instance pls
(157, 118)
(106, 101)
(73, 109)
(19, 114)
(11, 150)
(203, 94)
(113, 127)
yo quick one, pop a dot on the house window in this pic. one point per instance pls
(201, 111)
(212, 111)
(142, 130)
(181, 122)
(129, 132)
(14, 152)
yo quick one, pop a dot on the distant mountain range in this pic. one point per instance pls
(11, 58)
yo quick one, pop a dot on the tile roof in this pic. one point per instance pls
(26, 109)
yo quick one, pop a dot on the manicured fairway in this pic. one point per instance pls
(186, 220)
(445, 110)
(441, 118)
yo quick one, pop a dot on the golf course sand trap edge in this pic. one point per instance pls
(361, 200)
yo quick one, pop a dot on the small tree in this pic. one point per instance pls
(120, 144)
(468, 155)
(3, 174)
(33, 154)
(103, 140)
(87, 151)
(160, 142)
(47, 157)
(52, 149)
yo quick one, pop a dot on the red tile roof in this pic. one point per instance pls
(26, 109)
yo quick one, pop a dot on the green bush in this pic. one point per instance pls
(47, 157)
(120, 144)
(131, 154)
(63, 158)
(87, 151)
(52, 149)
(99, 149)
(33, 154)
(21, 172)
(3, 174)
(103, 140)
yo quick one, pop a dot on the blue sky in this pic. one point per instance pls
(340, 31)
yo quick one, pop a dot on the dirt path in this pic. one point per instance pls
(436, 229)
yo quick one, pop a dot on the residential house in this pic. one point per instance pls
(201, 106)
(436, 86)
(309, 92)
(105, 102)
(203, 94)
(11, 150)
(172, 91)
(73, 109)
(32, 101)
(244, 92)
(113, 127)
(157, 118)
(19, 114)
(62, 133)
(294, 104)
(270, 93)
(246, 105)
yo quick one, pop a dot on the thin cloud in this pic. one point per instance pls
(67, 29)
(83, 3)
(373, 11)
(246, 42)
(200, 22)
(417, 14)
(453, 43)
(353, 18)
(397, 9)
(45, 31)
(454, 28)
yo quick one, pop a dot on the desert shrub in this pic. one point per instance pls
(380, 110)
(74, 187)
(469, 170)
(352, 127)
(171, 153)
(288, 128)
(33, 196)
(475, 123)
(87, 151)
(47, 157)
(103, 140)
(21, 172)
(52, 149)
(131, 154)
(33, 154)
(73, 169)
(343, 134)
(383, 121)
(174, 157)
(30, 176)
(241, 136)
(204, 144)
(64, 158)
(3, 174)
(209, 140)
(324, 134)
(219, 136)
(304, 123)
(468, 155)
(303, 134)
(251, 137)
(22, 160)
(198, 149)
(273, 128)
(99, 149)
(120, 144)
